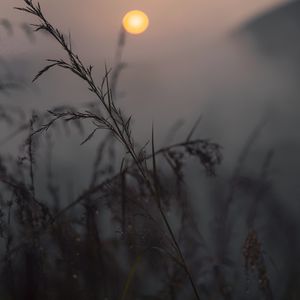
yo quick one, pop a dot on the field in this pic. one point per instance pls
(133, 231)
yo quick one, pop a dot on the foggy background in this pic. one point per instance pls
(217, 60)
(233, 62)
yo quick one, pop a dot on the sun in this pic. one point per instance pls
(135, 22)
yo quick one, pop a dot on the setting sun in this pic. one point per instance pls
(135, 22)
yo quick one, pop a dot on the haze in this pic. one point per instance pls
(185, 65)
(194, 60)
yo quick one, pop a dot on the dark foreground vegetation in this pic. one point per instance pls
(133, 232)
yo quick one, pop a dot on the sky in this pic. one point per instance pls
(185, 65)
(182, 38)
(176, 26)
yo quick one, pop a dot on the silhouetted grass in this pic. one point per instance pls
(57, 249)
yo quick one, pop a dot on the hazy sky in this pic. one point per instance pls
(173, 22)
(178, 69)
(183, 66)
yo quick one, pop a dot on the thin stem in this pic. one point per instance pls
(116, 122)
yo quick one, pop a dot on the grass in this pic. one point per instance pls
(54, 250)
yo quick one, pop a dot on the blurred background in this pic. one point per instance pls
(235, 63)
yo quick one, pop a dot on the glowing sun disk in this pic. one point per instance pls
(135, 22)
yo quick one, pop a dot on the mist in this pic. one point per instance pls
(234, 64)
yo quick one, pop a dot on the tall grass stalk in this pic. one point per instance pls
(112, 119)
